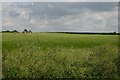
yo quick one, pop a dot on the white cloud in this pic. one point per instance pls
(86, 20)
(90, 21)
(24, 13)
(33, 3)
(50, 6)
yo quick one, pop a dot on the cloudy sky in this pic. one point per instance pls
(59, 0)
(60, 16)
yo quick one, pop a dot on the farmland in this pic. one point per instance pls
(58, 55)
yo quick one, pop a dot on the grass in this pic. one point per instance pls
(57, 55)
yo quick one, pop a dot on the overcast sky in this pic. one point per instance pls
(59, 0)
(60, 16)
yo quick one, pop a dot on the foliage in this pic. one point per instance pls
(57, 55)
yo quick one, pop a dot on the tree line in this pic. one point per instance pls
(29, 31)
(15, 31)
(101, 33)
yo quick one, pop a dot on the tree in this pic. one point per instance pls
(25, 31)
(30, 31)
(14, 31)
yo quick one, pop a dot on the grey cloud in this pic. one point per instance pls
(60, 16)
(62, 8)
(59, 0)
(65, 8)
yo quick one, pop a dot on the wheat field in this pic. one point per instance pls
(58, 55)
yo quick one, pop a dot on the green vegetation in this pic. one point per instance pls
(58, 55)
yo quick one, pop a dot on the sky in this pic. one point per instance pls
(60, 16)
(59, 0)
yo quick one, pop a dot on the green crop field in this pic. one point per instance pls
(58, 55)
